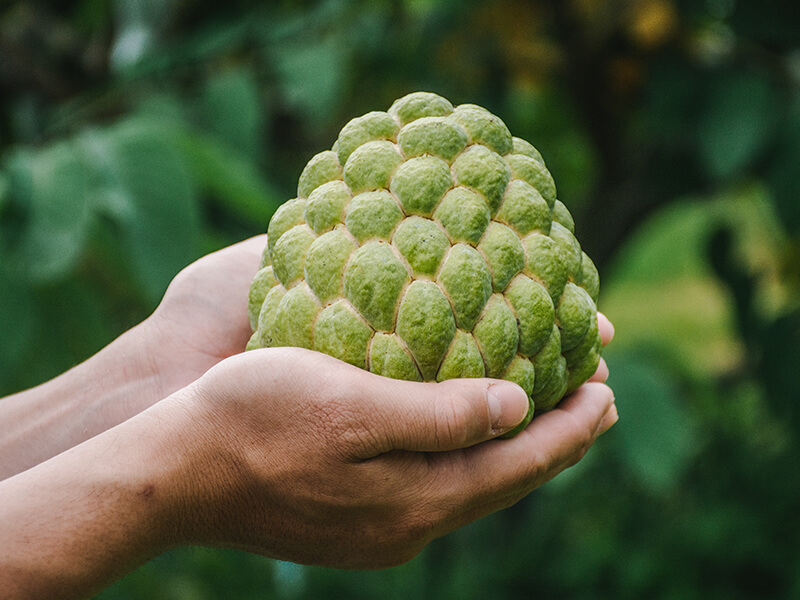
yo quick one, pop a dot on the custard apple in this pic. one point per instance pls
(428, 244)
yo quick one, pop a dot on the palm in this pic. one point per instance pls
(203, 317)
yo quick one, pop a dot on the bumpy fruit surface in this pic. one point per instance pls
(428, 244)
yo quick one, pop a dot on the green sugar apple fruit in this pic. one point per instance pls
(428, 244)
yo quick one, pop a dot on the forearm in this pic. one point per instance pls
(74, 523)
(110, 387)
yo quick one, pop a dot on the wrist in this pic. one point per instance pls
(161, 464)
(208, 466)
(117, 383)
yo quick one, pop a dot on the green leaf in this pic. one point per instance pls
(783, 174)
(54, 185)
(737, 123)
(137, 28)
(17, 324)
(232, 111)
(156, 200)
(231, 178)
(5, 188)
(312, 73)
(655, 432)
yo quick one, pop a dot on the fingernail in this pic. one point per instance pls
(508, 405)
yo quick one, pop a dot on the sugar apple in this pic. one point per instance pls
(428, 244)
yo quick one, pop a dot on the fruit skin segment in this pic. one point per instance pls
(427, 244)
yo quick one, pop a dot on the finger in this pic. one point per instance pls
(565, 434)
(601, 374)
(453, 414)
(552, 442)
(230, 269)
(245, 255)
(606, 328)
(611, 417)
(253, 246)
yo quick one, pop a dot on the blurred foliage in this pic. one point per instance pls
(137, 135)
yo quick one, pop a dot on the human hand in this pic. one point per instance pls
(292, 454)
(606, 335)
(305, 458)
(202, 318)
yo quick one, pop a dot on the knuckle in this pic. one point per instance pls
(340, 416)
(396, 541)
(536, 473)
(414, 531)
(583, 441)
(359, 441)
(511, 500)
(333, 420)
(453, 420)
(586, 441)
(507, 502)
(344, 428)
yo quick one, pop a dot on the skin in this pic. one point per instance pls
(282, 452)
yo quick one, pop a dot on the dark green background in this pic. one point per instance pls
(137, 135)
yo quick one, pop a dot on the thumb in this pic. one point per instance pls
(453, 414)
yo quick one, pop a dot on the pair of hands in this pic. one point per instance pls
(373, 468)
(283, 452)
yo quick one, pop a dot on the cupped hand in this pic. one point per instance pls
(302, 457)
(202, 318)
